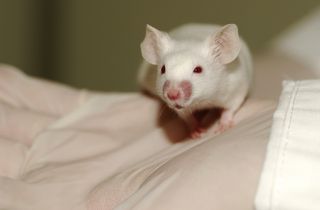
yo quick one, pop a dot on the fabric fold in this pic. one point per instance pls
(292, 168)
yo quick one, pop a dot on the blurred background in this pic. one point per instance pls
(95, 44)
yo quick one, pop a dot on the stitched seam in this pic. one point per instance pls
(285, 137)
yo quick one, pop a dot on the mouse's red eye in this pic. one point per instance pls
(163, 69)
(197, 70)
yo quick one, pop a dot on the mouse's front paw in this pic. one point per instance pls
(225, 122)
(197, 132)
(222, 126)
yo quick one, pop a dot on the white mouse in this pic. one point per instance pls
(195, 67)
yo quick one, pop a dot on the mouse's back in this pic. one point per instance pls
(193, 31)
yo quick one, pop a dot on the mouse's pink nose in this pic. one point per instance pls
(173, 94)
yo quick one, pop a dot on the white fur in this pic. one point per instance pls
(227, 69)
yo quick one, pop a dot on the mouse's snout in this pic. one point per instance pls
(177, 91)
(173, 94)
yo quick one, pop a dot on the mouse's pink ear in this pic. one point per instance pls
(225, 44)
(154, 45)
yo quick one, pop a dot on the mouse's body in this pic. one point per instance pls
(195, 67)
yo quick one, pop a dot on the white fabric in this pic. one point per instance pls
(302, 41)
(290, 178)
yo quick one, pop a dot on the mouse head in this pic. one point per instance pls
(189, 72)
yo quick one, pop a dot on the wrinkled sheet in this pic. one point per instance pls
(63, 148)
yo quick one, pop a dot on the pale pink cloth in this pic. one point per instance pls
(63, 148)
